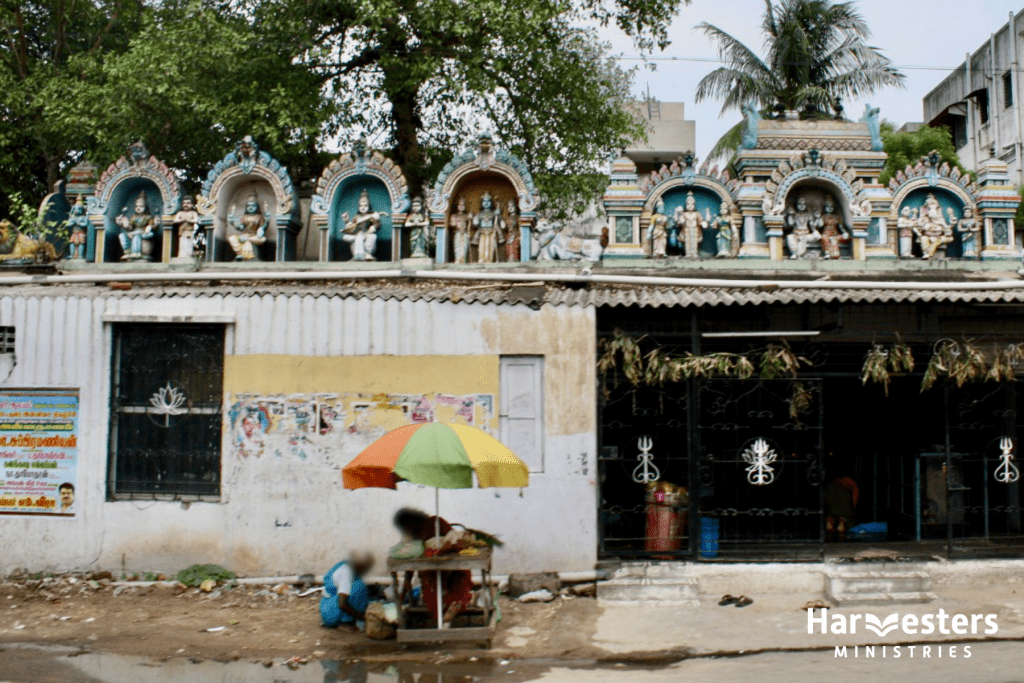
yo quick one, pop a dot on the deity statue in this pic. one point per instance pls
(691, 226)
(833, 232)
(488, 230)
(803, 225)
(418, 226)
(932, 230)
(513, 244)
(657, 231)
(722, 225)
(458, 228)
(361, 231)
(78, 223)
(251, 227)
(905, 224)
(970, 233)
(137, 230)
(189, 233)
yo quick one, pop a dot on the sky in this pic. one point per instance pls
(926, 39)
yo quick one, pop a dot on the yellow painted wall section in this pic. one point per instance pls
(274, 374)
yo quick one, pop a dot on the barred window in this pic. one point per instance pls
(167, 390)
(6, 339)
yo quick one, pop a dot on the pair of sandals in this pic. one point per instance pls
(741, 601)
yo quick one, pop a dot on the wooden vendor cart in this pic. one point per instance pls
(470, 634)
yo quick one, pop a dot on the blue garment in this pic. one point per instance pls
(358, 599)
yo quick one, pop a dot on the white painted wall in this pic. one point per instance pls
(63, 341)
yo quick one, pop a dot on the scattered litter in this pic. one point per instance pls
(65, 618)
(215, 629)
(207, 585)
(319, 653)
(543, 595)
(180, 651)
(816, 604)
(19, 627)
(504, 662)
(233, 622)
(310, 591)
(89, 620)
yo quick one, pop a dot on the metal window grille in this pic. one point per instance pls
(6, 339)
(167, 393)
(1007, 90)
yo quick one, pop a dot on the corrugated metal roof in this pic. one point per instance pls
(536, 293)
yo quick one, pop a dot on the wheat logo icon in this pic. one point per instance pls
(882, 628)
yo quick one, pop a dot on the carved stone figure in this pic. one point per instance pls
(78, 223)
(872, 118)
(657, 231)
(187, 223)
(970, 233)
(932, 230)
(905, 224)
(751, 118)
(252, 230)
(360, 231)
(15, 246)
(691, 226)
(513, 245)
(553, 243)
(418, 226)
(833, 231)
(803, 225)
(458, 228)
(137, 230)
(722, 225)
(488, 230)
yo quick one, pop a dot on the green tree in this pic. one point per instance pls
(816, 57)
(188, 78)
(906, 149)
(422, 76)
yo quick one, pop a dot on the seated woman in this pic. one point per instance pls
(456, 586)
(345, 595)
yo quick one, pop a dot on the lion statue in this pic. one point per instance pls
(15, 246)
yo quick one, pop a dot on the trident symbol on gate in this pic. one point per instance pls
(1007, 472)
(646, 471)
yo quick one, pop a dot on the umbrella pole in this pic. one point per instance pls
(437, 535)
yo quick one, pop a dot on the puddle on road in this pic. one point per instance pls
(45, 664)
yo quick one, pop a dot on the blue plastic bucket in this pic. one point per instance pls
(709, 537)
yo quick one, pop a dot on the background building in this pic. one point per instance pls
(980, 102)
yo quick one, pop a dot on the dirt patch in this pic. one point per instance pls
(256, 624)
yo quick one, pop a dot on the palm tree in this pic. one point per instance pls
(816, 57)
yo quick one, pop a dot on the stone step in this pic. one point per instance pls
(858, 587)
(855, 599)
(652, 570)
(677, 591)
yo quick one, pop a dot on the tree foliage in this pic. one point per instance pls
(906, 149)
(421, 75)
(420, 78)
(816, 56)
(88, 77)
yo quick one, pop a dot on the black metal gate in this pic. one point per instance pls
(644, 468)
(979, 475)
(166, 394)
(759, 449)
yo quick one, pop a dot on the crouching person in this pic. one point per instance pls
(345, 595)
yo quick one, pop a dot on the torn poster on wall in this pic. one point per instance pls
(298, 424)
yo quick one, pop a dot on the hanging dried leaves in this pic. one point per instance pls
(780, 361)
(880, 362)
(960, 362)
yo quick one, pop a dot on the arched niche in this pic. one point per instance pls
(709, 204)
(816, 191)
(473, 172)
(347, 201)
(472, 188)
(229, 183)
(115, 193)
(948, 200)
(338, 190)
(231, 199)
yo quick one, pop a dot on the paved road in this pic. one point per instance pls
(989, 663)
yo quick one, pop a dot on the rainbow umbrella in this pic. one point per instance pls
(438, 454)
